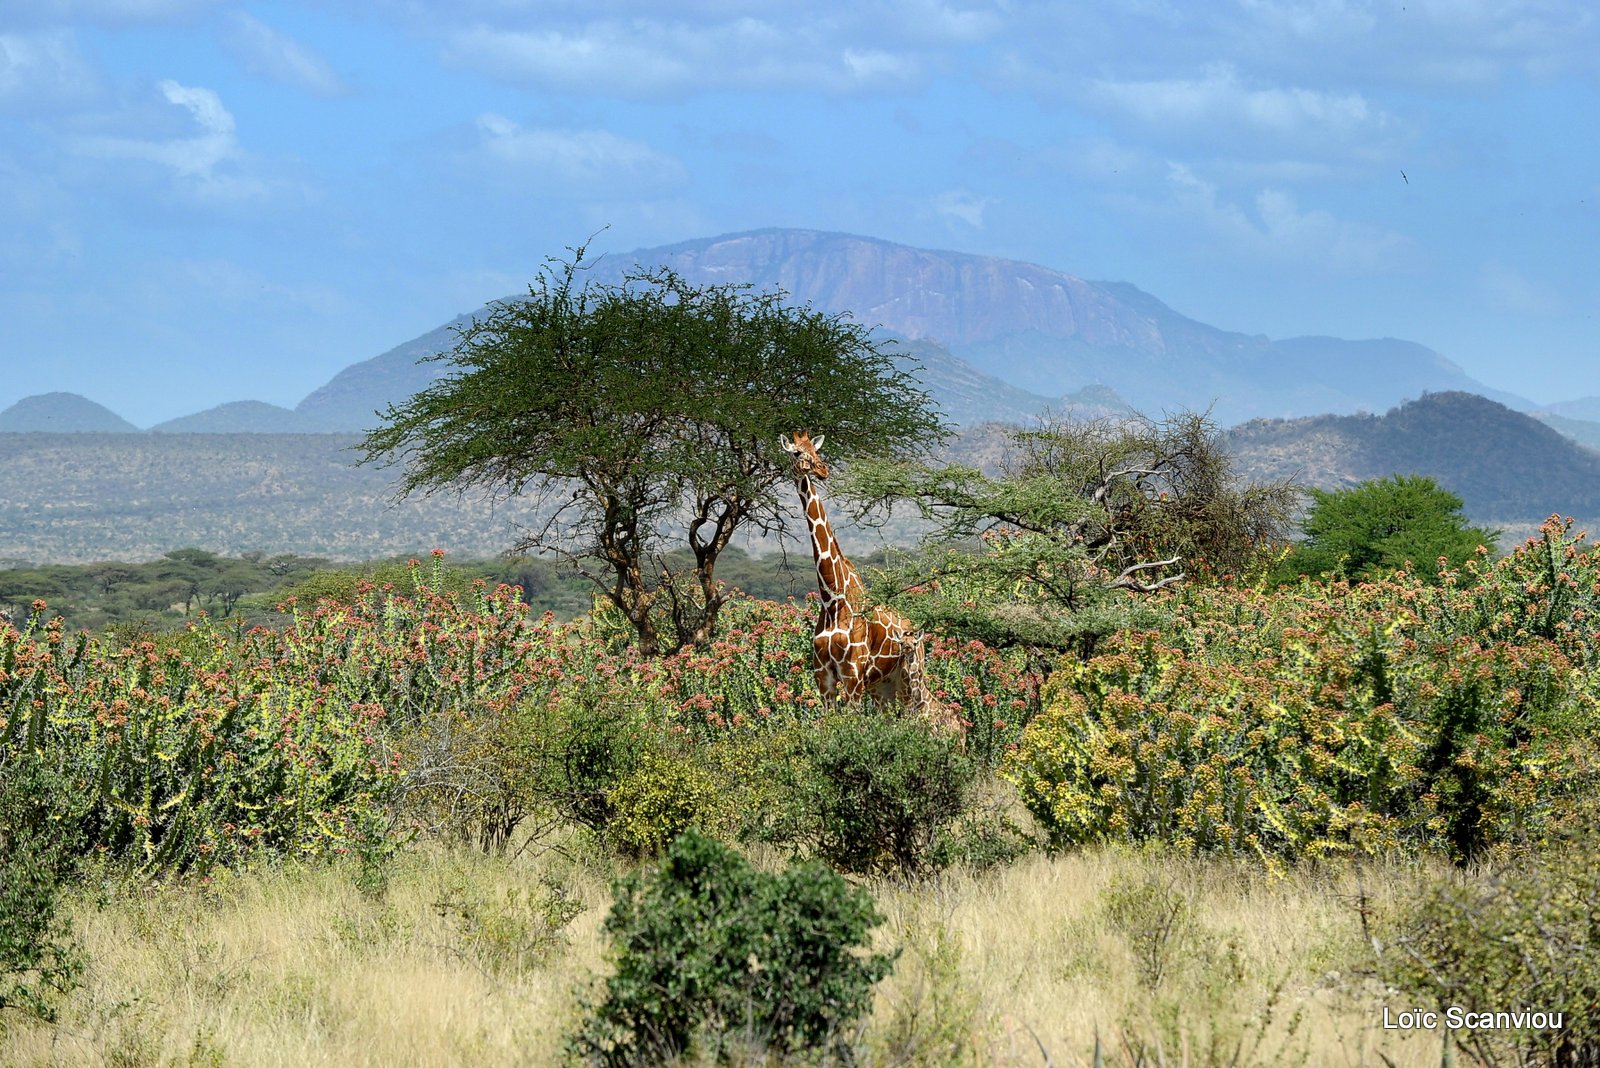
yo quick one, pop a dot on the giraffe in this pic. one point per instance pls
(857, 650)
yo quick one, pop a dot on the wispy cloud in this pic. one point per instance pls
(650, 57)
(1278, 230)
(43, 71)
(1220, 98)
(590, 160)
(272, 54)
(960, 206)
(205, 162)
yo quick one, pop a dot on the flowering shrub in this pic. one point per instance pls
(461, 708)
(205, 748)
(1334, 718)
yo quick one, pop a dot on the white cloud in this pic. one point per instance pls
(649, 56)
(41, 71)
(1221, 98)
(586, 159)
(279, 57)
(960, 205)
(205, 162)
(1277, 230)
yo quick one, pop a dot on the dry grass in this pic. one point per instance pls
(457, 963)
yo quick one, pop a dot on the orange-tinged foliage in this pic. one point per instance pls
(1389, 716)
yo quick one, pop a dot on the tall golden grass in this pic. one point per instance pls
(467, 959)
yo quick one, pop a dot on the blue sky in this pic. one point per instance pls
(203, 202)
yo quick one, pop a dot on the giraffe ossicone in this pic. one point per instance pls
(857, 650)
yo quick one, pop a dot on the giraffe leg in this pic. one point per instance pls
(826, 684)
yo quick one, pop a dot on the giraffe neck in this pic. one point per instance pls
(836, 578)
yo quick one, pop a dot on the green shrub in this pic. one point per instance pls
(663, 796)
(878, 792)
(711, 953)
(582, 753)
(39, 839)
(1525, 938)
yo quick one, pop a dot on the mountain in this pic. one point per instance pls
(1050, 332)
(63, 413)
(1000, 339)
(236, 417)
(1508, 468)
(1585, 432)
(350, 401)
(1584, 408)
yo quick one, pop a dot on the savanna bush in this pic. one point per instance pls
(39, 836)
(662, 797)
(418, 704)
(1332, 718)
(1521, 937)
(878, 792)
(712, 954)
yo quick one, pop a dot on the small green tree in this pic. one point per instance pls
(648, 413)
(1383, 525)
(1079, 514)
(712, 953)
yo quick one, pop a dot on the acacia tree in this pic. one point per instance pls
(644, 415)
(1382, 525)
(1079, 512)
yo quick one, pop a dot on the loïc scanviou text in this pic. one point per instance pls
(1455, 1017)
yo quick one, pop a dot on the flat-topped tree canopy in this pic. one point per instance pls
(646, 413)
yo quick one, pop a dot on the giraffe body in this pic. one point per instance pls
(858, 650)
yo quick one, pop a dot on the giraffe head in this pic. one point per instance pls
(807, 454)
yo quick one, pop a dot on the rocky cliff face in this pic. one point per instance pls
(955, 298)
(1052, 333)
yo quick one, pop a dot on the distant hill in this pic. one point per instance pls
(79, 498)
(75, 498)
(1585, 408)
(236, 417)
(1585, 432)
(83, 497)
(62, 413)
(1508, 468)
(349, 401)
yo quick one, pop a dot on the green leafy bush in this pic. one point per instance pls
(38, 843)
(663, 796)
(879, 792)
(1382, 525)
(711, 953)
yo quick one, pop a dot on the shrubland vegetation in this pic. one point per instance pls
(168, 593)
(1200, 812)
(1450, 721)
(1384, 525)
